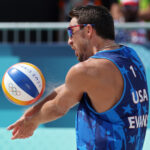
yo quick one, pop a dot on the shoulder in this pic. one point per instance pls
(97, 77)
(91, 70)
(82, 69)
(77, 75)
(91, 67)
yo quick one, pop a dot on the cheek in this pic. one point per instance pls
(78, 42)
(81, 41)
(85, 43)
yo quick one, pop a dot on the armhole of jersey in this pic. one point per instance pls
(123, 93)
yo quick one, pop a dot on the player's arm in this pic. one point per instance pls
(62, 98)
(52, 107)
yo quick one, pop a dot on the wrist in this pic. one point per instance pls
(34, 118)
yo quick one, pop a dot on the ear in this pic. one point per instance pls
(89, 30)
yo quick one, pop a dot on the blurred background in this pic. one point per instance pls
(35, 31)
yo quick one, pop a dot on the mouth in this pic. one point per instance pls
(73, 47)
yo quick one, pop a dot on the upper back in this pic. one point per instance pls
(116, 73)
(105, 83)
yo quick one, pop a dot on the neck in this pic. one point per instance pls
(106, 45)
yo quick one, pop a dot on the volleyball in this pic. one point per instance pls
(23, 83)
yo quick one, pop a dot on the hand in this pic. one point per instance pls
(23, 128)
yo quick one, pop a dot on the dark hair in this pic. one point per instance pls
(97, 15)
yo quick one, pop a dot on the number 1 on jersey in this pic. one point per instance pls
(132, 69)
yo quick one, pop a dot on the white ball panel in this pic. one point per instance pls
(14, 90)
(32, 74)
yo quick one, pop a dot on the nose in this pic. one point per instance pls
(70, 42)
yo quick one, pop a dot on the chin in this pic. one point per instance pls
(81, 59)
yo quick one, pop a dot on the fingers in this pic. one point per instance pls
(20, 134)
(23, 128)
(15, 130)
(13, 125)
(15, 135)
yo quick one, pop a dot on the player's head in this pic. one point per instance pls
(98, 16)
(86, 20)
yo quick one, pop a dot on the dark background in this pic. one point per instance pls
(36, 10)
(28, 10)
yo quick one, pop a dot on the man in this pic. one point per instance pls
(109, 84)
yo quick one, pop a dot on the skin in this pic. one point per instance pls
(145, 14)
(100, 78)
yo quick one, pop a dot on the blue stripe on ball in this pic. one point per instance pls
(23, 82)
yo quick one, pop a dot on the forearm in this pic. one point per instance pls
(43, 112)
(47, 110)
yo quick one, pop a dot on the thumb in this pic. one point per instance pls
(17, 123)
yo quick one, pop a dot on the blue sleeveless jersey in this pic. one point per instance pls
(123, 127)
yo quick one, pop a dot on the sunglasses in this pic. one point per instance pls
(70, 31)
